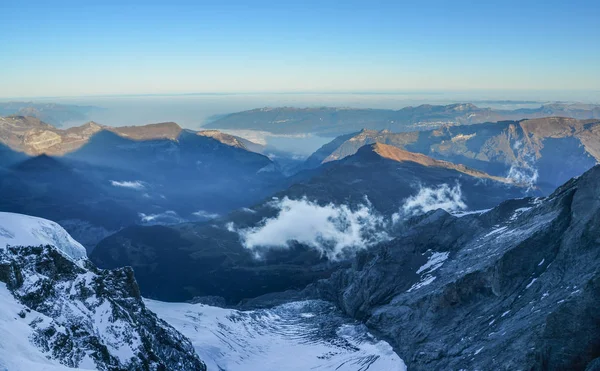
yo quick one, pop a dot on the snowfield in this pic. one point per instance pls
(298, 336)
(17, 353)
(25, 230)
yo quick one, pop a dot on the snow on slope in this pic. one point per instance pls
(18, 353)
(308, 335)
(25, 230)
(57, 308)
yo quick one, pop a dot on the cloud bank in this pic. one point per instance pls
(443, 197)
(137, 185)
(335, 231)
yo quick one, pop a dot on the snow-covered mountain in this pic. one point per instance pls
(297, 336)
(58, 310)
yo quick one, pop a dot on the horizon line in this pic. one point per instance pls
(311, 92)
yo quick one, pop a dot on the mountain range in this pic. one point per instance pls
(547, 151)
(34, 137)
(95, 180)
(496, 289)
(52, 113)
(330, 121)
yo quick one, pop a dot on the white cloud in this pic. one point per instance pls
(205, 214)
(168, 217)
(523, 170)
(427, 199)
(137, 185)
(231, 227)
(524, 174)
(335, 231)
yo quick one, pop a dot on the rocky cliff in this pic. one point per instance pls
(513, 288)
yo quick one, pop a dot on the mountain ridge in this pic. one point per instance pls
(397, 154)
(34, 137)
(335, 121)
(548, 151)
(190, 254)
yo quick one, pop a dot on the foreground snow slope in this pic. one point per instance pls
(308, 335)
(16, 350)
(57, 308)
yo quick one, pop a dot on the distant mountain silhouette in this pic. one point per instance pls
(338, 121)
(33, 136)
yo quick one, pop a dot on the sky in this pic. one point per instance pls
(63, 48)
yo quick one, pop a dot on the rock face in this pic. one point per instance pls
(547, 151)
(81, 316)
(516, 287)
(329, 121)
(34, 137)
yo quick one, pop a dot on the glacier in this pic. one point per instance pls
(25, 230)
(297, 336)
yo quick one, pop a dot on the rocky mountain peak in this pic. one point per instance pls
(498, 289)
(76, 314)
(227, 139)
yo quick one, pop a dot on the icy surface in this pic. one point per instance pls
(24, 230)
(308, 335)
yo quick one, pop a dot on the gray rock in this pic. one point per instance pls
(78, 311)
(515, 288)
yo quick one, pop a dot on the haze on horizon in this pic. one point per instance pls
(110, 48)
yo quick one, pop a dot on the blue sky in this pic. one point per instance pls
(74, 48)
